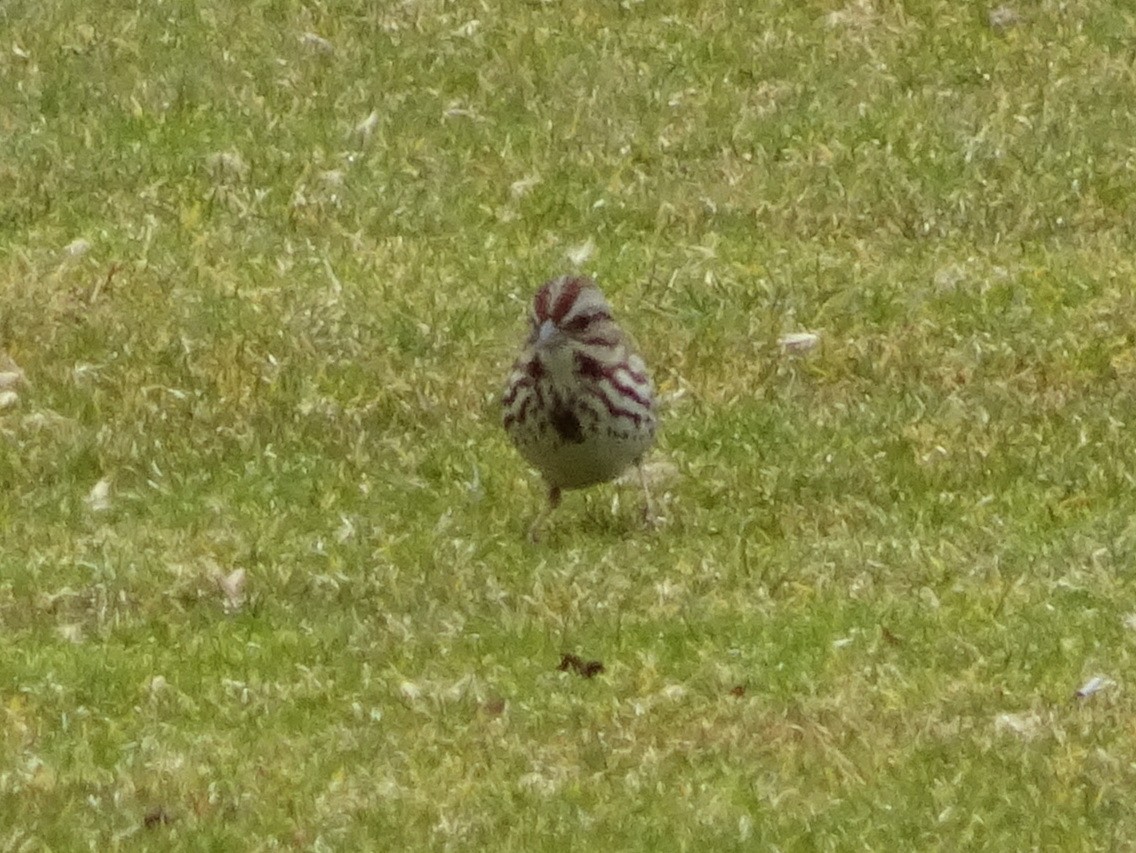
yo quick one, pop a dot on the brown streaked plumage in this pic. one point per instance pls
(578, 404)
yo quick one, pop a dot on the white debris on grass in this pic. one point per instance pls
(521, 188)
(581, 254)
(232, 587)
(1094, 685)
(317, 43)
(367, 126)
(1003, 17)
(1025, 725)
(9, 379)
(228, 165)
(77, 248)
(798, 342)
(98, 498)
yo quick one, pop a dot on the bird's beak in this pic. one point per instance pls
(547, 333)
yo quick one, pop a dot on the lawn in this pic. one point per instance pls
(263, 574)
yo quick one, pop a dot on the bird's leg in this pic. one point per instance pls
(542, 516)
(648, 506)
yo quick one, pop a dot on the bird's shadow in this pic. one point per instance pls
(599, 517)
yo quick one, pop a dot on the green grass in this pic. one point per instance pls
(884, 567)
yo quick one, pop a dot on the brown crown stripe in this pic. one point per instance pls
(566, 299)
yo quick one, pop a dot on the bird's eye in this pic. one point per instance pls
(578, 325)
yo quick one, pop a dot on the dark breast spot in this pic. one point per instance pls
(567, 425)
(589, 367)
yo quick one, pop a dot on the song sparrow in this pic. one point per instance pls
(578, 404)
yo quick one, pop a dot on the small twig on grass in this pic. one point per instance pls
(587, 669)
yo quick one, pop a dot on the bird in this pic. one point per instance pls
(578, 403)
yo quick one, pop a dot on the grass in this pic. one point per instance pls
(262, 269)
